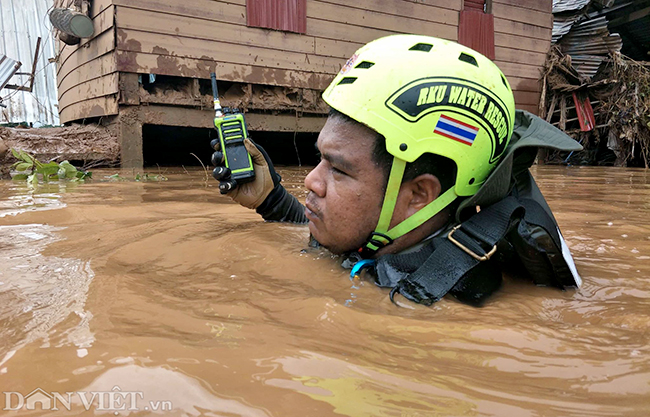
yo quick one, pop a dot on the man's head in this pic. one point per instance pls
(347, 188)
(419, 122)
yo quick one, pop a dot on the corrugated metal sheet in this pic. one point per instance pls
(21, 23)
(560, 6)
(288, 15)
(588, 42)
(562, 26)
(8, 68)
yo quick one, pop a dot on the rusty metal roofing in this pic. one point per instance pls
(588, 41)
(22, 22)
(8, 67)
(560, 6)
(562, 26)
(583, 29)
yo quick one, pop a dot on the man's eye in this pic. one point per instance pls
(338, 171)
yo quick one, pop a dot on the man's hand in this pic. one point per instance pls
(250, 194)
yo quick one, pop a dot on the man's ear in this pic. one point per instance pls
(423, 189)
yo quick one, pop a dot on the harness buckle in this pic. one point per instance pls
(468, 251)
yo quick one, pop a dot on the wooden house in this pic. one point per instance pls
(149, 61)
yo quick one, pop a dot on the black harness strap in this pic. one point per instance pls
(450, 261)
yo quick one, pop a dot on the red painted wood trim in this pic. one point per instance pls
(476, 30)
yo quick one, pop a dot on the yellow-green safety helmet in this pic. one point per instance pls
(426, 94)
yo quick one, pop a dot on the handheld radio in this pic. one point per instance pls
(231, 127)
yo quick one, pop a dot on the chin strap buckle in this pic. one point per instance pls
(486, 255)
(375, 242)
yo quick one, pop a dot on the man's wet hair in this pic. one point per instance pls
(443, 168)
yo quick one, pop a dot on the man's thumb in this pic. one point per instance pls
(256, 155)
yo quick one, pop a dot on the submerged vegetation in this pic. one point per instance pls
(32, 170)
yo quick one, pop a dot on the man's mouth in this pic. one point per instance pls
(311, 210)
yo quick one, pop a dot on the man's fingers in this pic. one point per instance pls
(217, 158)
(256, 155)
(221, 173)
(227, 186)
(215, 144)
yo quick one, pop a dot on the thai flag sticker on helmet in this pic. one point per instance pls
(456, 130)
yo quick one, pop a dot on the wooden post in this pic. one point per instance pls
(130, 137)
(129, 89)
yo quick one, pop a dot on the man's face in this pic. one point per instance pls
(346, 188)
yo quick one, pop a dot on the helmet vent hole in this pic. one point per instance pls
(365, 65)
(468, 58)
(505, 83)
(424, 47)
(472, 181)
(347, 80)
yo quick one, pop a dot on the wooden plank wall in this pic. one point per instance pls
(522, 35)
(87, 74)
(191, 38)
(186, 38)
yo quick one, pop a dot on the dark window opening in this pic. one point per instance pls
(174, 146)
(285, 148)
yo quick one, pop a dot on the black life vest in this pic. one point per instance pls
(514, 230)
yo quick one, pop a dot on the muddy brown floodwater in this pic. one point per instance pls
(128, 298)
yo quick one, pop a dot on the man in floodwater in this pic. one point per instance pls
(417, 126)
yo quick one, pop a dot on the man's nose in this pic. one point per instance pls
(314, 182)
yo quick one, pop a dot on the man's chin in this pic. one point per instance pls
(322, 240)
(328, 242)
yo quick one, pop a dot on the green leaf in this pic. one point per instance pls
(51, 168)
(27, 157)
(32, 179)
(68, 167)
(23, 156)
(19, 177)
(82, 175)
(61, 173)
(23, 166)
